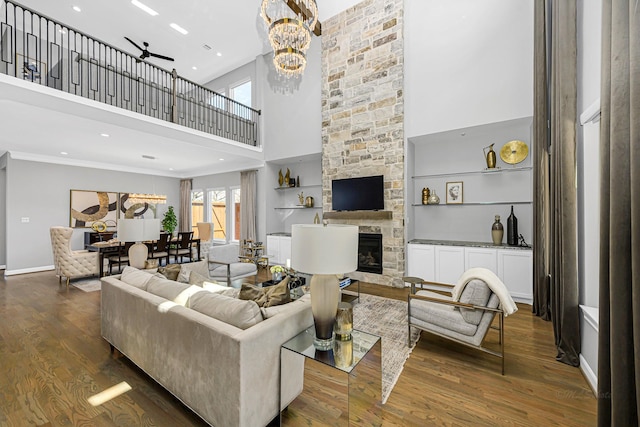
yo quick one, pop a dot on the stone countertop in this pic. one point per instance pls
(470, 244)
(279, 234)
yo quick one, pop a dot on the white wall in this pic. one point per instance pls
(467, 62)
(3, 209)
(40, 192)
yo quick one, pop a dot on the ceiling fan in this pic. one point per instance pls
(145, 52)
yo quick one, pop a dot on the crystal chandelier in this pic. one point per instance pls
(152, 199)
(290, 32)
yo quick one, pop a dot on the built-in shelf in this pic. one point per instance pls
(298, 188)
(298, 207)
(476, 204)
(480, 172)
(358, 215)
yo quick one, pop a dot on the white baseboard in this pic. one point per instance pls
(3, 267)
(29, 270)
(589, 374)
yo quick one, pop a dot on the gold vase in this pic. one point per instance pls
(280, 178)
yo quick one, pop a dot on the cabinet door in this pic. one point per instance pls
(285, 249)
(515, 269)
(273, 249)
(481, 257)
(449, 263)
(421, 261)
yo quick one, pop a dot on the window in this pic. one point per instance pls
(218, 211)
(197, 210)
(242, 94)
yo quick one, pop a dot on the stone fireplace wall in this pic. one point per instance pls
(363, 114)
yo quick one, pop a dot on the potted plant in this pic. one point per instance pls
(169, 220)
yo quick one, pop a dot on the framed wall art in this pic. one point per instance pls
(129, 209)
(86, 207)
(454, 193)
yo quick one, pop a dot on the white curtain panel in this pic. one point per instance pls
(248, 205)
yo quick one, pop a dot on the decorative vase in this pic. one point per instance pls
(512, 229)
(425, 196)
(316, 219)
(297, 181)
(287, 177)
(280, 178)
(491, 158)
(497, 231)
(433, 198)
(308, 202)
(277, 276)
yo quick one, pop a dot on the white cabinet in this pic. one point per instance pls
(515, 268)
(278, 249)
(481, 257)
(449, 263)
(421, 262)
(445, 264)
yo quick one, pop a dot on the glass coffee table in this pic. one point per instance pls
(348, 375)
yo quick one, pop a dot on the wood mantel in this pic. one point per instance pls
(370, 215)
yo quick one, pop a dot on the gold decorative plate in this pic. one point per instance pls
(514, 152)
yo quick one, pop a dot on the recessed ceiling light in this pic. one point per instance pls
(106, 135)
(144, 7)
(219, 54)
(194, 68)
(146, 156)
(178, 28)
(222, 160)
(170, 169)
(64, 153)
(77, 9)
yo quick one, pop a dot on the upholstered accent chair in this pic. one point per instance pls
(205, 234)
(466, 320)
(224, 264)
(71, 264)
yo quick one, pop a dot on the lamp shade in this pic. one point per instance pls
(138, 230)
(130, 230)
(324, 249)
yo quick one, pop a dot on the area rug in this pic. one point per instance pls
(386, 318)
(87, 285)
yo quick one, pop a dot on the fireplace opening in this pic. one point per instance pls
(370, 253)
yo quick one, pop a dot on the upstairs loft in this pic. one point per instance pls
(44, 59)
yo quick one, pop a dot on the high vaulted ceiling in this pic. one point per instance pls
(232, 28)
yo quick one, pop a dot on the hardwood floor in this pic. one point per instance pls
(52, 359)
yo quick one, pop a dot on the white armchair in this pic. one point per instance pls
(224, 264)
(71, 264)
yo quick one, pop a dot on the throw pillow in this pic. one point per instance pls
(200, 267)
(241, 314)
(134, 277)
(170, 271)
(184, 296)
(267, 297)
(196, 278)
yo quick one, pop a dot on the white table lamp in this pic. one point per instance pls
(138, 230)
(325, 251)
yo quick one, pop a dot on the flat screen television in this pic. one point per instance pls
(358, 194)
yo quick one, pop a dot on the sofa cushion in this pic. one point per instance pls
(134, 277)
(239, 313)
(184, 296)
(165, 288)
(214, 287)
(196, 278)
(476, 292)
(200, 267)
(237, 269)
(170, 271)
(269, 296)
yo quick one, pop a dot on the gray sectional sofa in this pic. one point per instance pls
(226, 368)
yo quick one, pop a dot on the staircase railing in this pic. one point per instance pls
(36, 48)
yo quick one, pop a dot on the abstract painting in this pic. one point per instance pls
(90, 206)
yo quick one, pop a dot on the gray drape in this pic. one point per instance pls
(619, 325)
(248, 205)
(184, 220)
(555, 201)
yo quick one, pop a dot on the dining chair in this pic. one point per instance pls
(122, 257)
(160, 250)
(182, 247)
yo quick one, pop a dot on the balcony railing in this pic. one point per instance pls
(36, 48)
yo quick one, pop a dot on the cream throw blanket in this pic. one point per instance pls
(494, 283)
